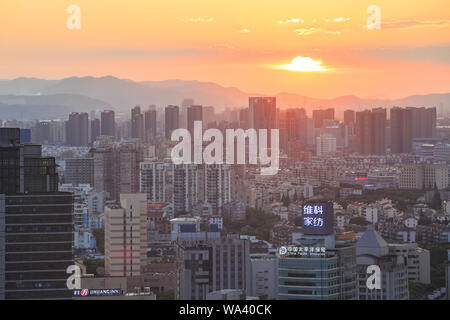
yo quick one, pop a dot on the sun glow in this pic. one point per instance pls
(303, 64)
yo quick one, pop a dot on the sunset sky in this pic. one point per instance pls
(248, 44)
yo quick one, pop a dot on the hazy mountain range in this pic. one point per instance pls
(31, 98)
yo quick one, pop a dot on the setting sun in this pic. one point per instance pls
(303, 64)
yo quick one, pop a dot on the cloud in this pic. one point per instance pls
(292, 20)
(309, 31)
(436, 54)
(245, 30)
(198, 20)
(341, 19)
(413, 23)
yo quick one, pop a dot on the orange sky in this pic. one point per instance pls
(235, 43)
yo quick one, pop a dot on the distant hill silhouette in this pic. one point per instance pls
(87, 93)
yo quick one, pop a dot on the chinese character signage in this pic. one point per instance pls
(300, 251)
(318, 218)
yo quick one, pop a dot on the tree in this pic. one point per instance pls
(298, 221)
(92, 266)
(99, 235)
(436, 202)
(166, 295)
(423, 220)
(286, 201)
(295, 198)
(359, 221)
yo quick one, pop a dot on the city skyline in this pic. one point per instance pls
(293, 46)
(200, 150)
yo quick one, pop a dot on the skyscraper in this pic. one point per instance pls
(315, 266)
(207, 266)
(153, 178)
(370, 132)
(77, 129)
(243, 118)
(322, 114)
(108, 123)
(116, 169)
(150, 123)
(296, 125)
(172, 116)
(194, 113)
(95, 129)
(126, 236)
(349, 116)
(137, 123)
(36, 223)
(325, 145)
(371, 249)
(23, 169)
(185, 187)
(79, 171)
(409, 123)
(208, 115)
(185, 104)
(217, 186)
(262, 112)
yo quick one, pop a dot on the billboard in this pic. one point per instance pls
(318, 218)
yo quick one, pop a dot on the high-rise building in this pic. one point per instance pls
(116, 169)
(370, 132)
(218, 264)
(409, 123)
(323, 271)
(417, 260)
(262, 112)
(79, 171)
(37, 241)
(95, 130)
(296, 125)
(194, 113)
(42, 132)
(315, 266)
(48, 132)
(36, 223)
(108, 123)
(150, 123)
(264, 276)
(372, 249)
(137, 123)
(172, 116)
(349, 116)
(185, 187)
(208, 115)
(153, 180)
(77, 129)
(126, 236)
(322, 114)
(243, 118)
(423, 176)
(325, 145)
(185, 104)
(23, 169)
(338, 130)
(216, 186)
